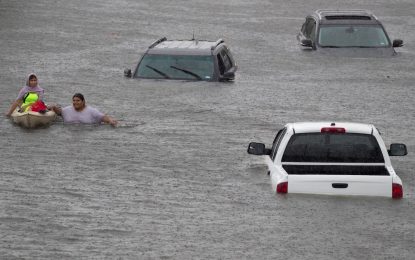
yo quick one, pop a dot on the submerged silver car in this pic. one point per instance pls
(186, 60)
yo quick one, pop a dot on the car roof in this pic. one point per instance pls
(315, 127)
(184, 47)
(357, 16)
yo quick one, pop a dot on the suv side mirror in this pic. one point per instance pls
(397, 150)
(229, 75)
(306, 43)
(397, 43)
(258, 149)
(127, 73)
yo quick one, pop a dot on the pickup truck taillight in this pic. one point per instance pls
(397, 191)
(282, 187)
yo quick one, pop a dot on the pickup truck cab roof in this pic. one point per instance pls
(306, 127)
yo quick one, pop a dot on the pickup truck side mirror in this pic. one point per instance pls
(397, 150)
(127, 73)
(258, 149)
(397, 43)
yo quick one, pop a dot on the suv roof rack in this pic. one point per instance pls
(351, 14)
(217, 43)
(157, 42)
(348, 17)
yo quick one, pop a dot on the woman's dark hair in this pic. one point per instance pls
(32, 76)
(79, 95)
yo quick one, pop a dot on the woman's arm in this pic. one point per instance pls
(14, 105)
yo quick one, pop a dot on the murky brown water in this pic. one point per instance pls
(174, 181)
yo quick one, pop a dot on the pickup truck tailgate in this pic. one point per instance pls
(344, 180)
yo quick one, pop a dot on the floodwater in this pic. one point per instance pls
(174, 181)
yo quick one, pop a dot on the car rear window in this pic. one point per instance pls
(332, 147)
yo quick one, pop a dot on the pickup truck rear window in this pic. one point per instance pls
(333, 147)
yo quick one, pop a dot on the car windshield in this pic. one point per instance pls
(343, 36)
(185, 67)
(326, 147)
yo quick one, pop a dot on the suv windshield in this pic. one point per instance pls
(187, 67)
(363, 36)
(340, 148)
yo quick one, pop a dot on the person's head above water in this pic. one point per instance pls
(78, 102)
(31, 80)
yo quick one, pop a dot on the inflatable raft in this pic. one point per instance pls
(31, 119)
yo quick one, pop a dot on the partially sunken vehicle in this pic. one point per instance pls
(332, 158)
(336, 31)
(186, 60)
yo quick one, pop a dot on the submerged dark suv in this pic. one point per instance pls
(186, 60)
(335, 30)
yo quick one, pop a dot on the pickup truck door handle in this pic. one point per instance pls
(339, 185)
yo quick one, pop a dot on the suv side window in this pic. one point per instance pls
(277, 142)
(225, 62)
(310, 28)
(221, 64)
(303, 27)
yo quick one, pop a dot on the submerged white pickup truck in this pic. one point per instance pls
(333, 158)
